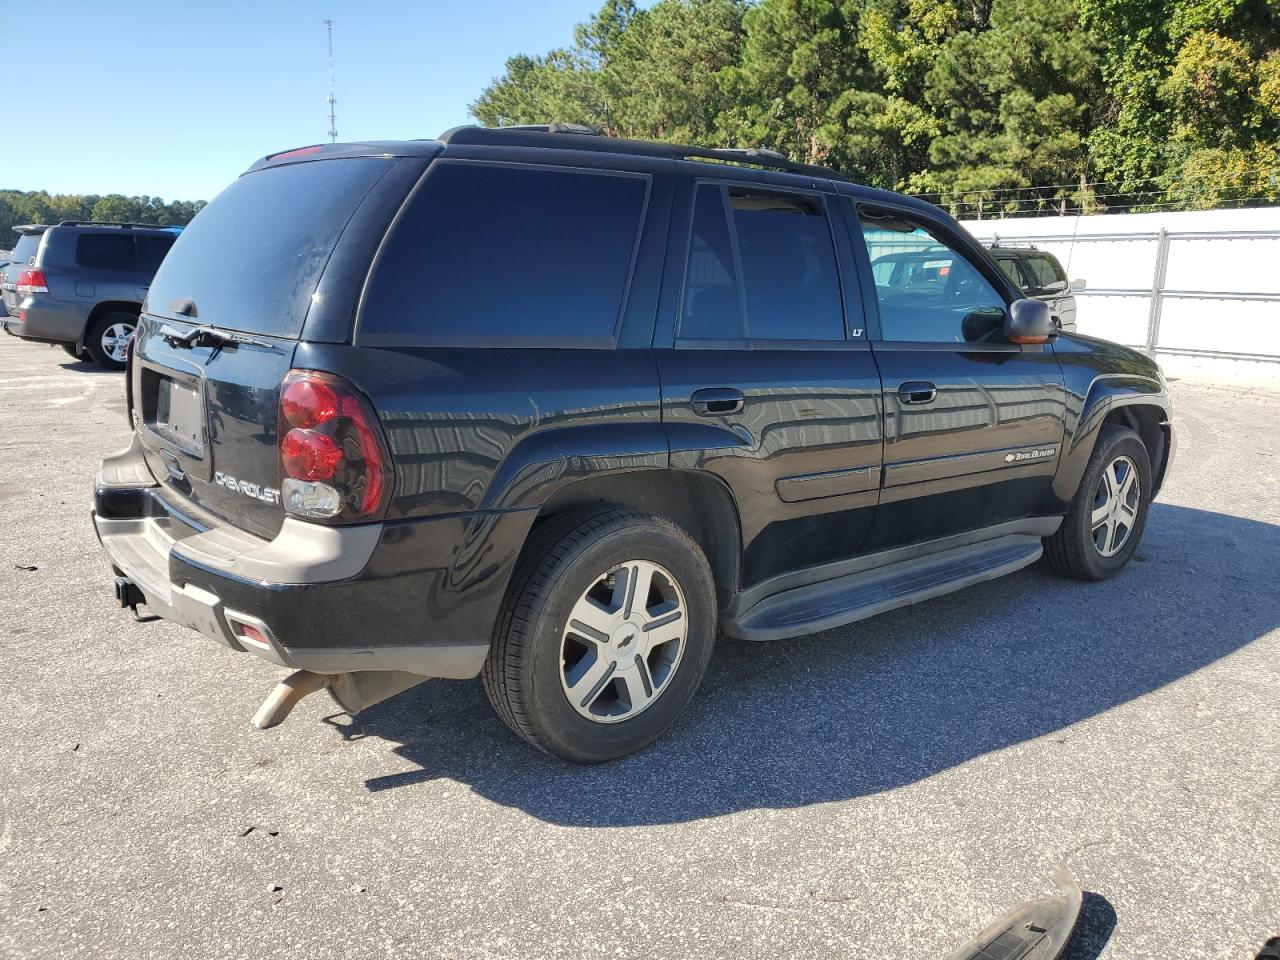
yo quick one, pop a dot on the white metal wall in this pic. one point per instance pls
(1220, 290)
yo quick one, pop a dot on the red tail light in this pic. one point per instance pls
(333, 460)
(32, 281)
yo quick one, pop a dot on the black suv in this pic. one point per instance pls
(551, 408)
(81, 284)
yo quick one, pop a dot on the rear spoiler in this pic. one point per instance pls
(336, 151)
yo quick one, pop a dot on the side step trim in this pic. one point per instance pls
(844, 600)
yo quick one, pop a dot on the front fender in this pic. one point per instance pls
(1104, 394)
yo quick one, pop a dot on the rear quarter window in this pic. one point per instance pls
(251, 259)
(105, 251)
(507, 255)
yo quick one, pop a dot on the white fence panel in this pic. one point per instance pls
(1217, 274)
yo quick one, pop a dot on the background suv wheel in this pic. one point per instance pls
(1102, 528)
(107, 339)
(604, 636)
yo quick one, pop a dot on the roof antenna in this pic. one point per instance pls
(333, 121)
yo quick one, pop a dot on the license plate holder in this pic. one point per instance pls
(179, 416)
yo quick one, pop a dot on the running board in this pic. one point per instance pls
(834, 603)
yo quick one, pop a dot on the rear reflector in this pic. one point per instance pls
(255, 634)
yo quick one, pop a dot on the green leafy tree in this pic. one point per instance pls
(37, 206)
(1015, 105)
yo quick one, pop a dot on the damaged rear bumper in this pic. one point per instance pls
(330, 600)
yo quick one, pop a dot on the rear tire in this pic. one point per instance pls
(1104, 524)
(580, 665)
(107, 339)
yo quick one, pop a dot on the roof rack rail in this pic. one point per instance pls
(588, 138)
(116, 223)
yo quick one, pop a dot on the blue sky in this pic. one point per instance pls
(174, 99)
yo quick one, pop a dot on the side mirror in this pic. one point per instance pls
(1079, 284)
(1029, 321)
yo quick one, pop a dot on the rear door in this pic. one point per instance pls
(151, 248)
(252, 268)
(973, 424)
(106, 266)
(24, 252)
(767, 378)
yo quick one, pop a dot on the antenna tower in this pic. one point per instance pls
(333, 120)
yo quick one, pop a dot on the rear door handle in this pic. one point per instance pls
(717, 401)
(917, 391)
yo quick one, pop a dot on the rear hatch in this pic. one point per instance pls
(222, 320)
(23, 253)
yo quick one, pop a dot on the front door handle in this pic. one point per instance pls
(917, 391)
(716, 401)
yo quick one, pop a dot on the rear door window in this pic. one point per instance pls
(106, 251)
(508, 255)
(252, 258)
(789, 279)
(768, 273)
(710, 309)
(151, 250)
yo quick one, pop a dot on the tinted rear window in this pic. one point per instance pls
(105, 251)
(252, 258)
(26, 248)
(788, 266)
(152, 248)
(510, 255)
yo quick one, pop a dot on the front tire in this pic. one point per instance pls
(107, 339)
(1104, 523)
(604, 635)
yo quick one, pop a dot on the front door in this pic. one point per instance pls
(973, 424)
(768, 381)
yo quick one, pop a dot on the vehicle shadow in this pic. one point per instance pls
(1093, 929)
(86, 365)
(882, 703)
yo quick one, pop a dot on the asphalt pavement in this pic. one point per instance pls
(879, 791)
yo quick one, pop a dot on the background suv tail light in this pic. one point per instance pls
(333, 458)
(32, 281)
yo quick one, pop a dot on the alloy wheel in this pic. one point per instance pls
(1115, 506)
(115, 341)
(623, 642)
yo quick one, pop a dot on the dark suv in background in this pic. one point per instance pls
(554, 408)
(81, 284)
(1039, 274)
